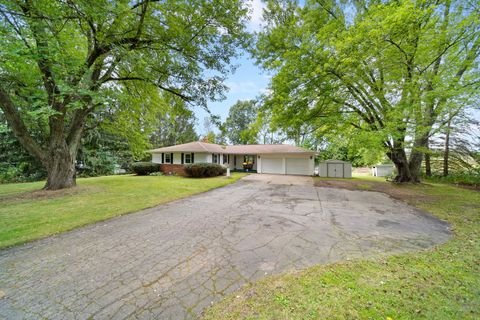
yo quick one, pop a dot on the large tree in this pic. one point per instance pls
(392, 69)
(63, 62)
(175, 126)
(238, 126)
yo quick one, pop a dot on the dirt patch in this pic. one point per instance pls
(48, 194)
(396, 191)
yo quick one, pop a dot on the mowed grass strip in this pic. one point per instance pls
(439, 283)
(28, 213)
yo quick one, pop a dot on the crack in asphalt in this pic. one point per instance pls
(174, 260)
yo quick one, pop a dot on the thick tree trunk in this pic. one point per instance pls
(60, 169)
(60, 176)
(416, 156)
(404, 172)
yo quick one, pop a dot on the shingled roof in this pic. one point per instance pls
(198, 146)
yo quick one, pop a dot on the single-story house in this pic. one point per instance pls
(261, 158)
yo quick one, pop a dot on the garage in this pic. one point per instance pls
(272, 165)
(299, 166)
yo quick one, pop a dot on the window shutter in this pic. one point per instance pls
(193, 159)
(182, 157)
(163, 157)
(171, 158)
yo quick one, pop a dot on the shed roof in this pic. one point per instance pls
(335, 161)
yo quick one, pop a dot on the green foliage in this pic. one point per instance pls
(239, 125)
(468, 178)
(175, 125)
(16, 165)
(210, 137)
(359, 149)
(204, 170)
(392, 70)
(70, 65)
(145, 168)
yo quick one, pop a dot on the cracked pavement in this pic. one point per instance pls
(172, 261)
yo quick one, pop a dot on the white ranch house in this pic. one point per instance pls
(263, 158)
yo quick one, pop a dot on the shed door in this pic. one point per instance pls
(297, 166)
(335, 170)
(272, 165)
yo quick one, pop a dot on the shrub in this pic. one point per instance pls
(145, 168)
(203, 170)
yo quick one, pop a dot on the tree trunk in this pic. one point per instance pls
(60, 169)
(399, 158)
(416, 156)
(428, 165)
(446, 153)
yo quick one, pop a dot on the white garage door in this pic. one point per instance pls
(335, 170)
(272, 165)
(297, 166)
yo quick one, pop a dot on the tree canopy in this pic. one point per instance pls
(239, 125)
(63, 63)
(394, 70)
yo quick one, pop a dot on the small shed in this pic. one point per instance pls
(335, 169)
(383, 170)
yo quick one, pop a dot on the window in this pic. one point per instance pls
(188, 158)
(168, 158)
(226, 158)
(214, 158)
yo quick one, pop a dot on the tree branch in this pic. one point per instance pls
(171, 90)
(18, 126)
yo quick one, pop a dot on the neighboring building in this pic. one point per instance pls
(383, 170)
(261, 158)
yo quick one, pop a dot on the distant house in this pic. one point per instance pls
(261, 158)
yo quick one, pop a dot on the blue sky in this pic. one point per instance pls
(246, 83)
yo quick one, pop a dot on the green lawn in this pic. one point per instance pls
(28, 213)
(440, 283)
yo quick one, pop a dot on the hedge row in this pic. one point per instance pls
(145, 168)
(203, 170)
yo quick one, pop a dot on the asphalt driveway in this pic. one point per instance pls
(171, 261)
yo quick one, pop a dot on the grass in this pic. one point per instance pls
(28, 213)
(439, 283)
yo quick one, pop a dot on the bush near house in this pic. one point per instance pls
(204, 170)
(145, 168)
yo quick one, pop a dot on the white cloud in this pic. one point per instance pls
(256, 10)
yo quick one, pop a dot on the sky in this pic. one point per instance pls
(247, 82)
